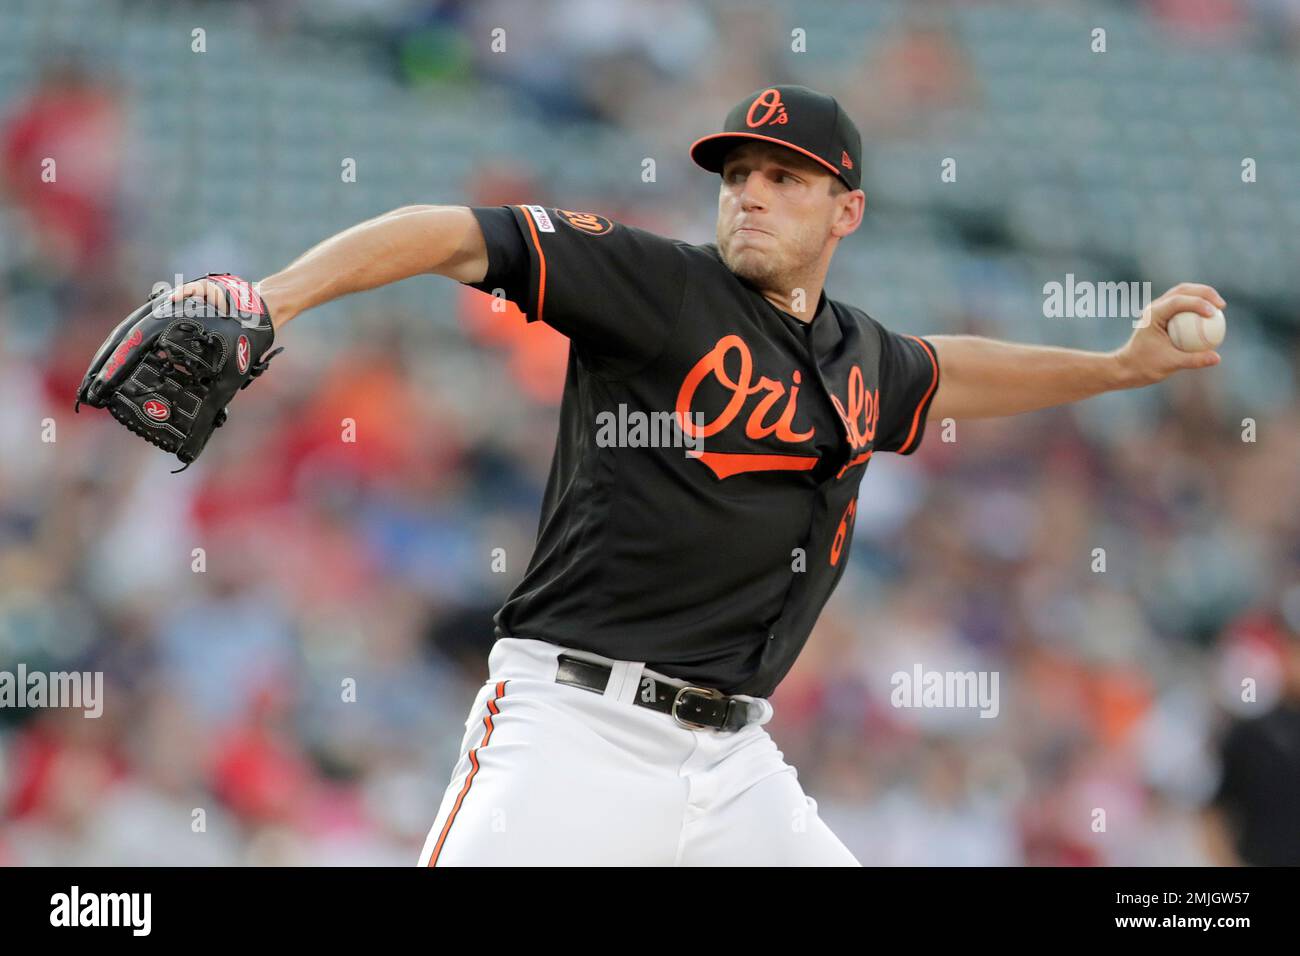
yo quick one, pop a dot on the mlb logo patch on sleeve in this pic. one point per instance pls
(541, 217)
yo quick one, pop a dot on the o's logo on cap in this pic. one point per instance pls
(587, 222)
(157, 409)
(770, 100)
(242, 354)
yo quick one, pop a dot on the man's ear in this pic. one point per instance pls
(851, 214)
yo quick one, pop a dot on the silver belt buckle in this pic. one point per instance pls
(702, 691)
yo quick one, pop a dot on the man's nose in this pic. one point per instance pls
(754, 193)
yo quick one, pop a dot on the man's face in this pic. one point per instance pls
(777, 213)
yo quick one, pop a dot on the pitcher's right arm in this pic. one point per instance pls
(412, 240)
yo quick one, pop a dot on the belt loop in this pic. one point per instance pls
(631, 682)
(767, 711)
(617, 680)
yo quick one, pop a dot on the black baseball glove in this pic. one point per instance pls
(169, 370)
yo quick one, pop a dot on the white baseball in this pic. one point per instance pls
(1193, 332)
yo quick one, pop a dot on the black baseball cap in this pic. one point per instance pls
(804, 120)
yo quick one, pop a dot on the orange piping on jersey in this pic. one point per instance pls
(541, 259)
(469, 779)
(724, 464)
(853, 462)
(916, 416)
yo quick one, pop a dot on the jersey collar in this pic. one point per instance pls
(823, 333)
(826, 332)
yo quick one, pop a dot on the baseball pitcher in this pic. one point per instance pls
(674, 581)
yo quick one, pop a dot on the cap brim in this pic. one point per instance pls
(710, 151)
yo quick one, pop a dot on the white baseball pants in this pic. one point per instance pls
(555, 775)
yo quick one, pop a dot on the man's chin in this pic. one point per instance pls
(751, 266)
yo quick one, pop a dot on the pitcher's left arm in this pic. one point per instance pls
(988, 378)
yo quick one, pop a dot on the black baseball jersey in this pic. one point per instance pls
(708, 549)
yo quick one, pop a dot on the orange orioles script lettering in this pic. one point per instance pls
(859, 419)
(121, 352)
(758, 424)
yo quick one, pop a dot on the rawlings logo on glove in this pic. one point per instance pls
(169, 369)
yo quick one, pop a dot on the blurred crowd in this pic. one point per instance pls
(292, 632)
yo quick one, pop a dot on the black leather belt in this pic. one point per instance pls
(694, 707)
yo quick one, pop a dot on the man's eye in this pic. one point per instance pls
(787, 177)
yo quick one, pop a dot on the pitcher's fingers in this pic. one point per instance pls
(1201, 359)
(209, 292)
(1170, 305)
(1204, 291)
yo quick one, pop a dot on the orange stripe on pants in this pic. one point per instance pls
(469, 779)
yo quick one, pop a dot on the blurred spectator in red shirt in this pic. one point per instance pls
(1222, 20)
(62, 163)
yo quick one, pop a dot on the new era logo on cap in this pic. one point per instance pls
(801, 119)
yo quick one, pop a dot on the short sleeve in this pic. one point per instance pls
(909, 379)
(507, 257)
(614, 290)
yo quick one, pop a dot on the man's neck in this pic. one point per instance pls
(807, 297)
(803, 291)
